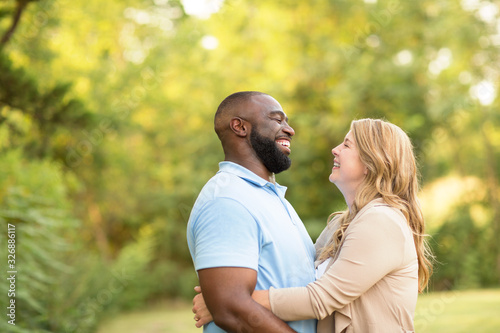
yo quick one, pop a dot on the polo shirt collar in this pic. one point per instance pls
(244, 173)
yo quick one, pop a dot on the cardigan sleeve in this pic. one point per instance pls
(373, 247)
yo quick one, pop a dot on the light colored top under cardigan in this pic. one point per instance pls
(371, 286)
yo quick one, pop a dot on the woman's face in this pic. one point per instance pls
(348, 171)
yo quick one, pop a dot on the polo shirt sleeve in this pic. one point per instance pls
(225, 235)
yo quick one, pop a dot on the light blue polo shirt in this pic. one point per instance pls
(242, 220)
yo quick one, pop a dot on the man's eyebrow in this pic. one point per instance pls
(279, 112)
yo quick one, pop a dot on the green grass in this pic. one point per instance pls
(459, 312)
(165, 318)
(451, 312)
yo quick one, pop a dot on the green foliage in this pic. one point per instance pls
(464, 254)
(60, 285)
(39, 210)
(50, 115)
(103, 288)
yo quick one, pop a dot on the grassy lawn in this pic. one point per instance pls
(167, 318)
(459, 312)
(451, 312)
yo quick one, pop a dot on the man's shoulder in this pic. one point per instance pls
(223, 192)
(227, 185)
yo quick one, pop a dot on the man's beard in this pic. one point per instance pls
(271, 156)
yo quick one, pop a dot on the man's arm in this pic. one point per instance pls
(228, 295)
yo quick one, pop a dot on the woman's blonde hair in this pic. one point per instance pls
(392, 175)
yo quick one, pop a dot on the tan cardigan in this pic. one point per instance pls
(372, 284)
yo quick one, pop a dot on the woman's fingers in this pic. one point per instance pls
(201, 314)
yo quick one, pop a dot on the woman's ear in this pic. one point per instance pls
(239, 126)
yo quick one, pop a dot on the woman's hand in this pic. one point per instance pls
(262, 297)
(201, 314)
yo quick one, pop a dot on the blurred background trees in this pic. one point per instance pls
(106, 137)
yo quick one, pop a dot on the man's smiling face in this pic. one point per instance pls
(271, 135)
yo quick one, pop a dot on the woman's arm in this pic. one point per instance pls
(374, 246)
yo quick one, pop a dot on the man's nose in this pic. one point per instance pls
(289, 130)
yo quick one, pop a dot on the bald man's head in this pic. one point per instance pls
(231, 107)
(254, 132)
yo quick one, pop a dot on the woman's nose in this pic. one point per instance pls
(335, 151)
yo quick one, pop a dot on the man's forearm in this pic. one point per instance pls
(227, 292)
(250, 318)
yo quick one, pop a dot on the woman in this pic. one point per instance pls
(372, 259)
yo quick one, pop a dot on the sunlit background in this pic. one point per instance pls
(106, 138)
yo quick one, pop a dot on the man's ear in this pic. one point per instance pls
(239, 126)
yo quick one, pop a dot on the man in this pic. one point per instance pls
(242, 233)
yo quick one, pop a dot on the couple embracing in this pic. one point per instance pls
(258, 268)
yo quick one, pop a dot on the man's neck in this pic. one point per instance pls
(255, 166)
